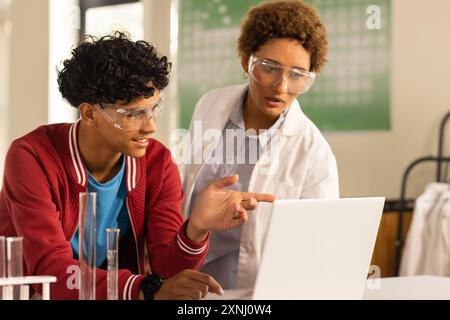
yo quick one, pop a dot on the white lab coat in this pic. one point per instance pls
(297, 164)
(427, 246)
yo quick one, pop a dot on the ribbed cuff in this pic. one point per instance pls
(132, 287)
(187, 245)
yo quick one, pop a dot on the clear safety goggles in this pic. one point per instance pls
(269, 74)
(133, 119)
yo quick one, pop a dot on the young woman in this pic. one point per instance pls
(265, 137)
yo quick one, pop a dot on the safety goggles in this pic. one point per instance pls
(269, 74)
(133, 119)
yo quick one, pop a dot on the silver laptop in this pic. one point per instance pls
(316, 249)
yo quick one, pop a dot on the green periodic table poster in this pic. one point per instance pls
(351, 93)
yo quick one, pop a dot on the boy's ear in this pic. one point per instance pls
(88, 113)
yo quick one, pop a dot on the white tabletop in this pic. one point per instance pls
(401, 288)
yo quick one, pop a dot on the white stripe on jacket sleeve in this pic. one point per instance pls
(130, 288)
(125, 291)
(183, 246)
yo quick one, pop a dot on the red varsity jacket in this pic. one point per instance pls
(43, 177)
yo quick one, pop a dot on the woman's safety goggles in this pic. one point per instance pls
(268, 74)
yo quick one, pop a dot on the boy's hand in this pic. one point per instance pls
(188, 285)
(217, 208)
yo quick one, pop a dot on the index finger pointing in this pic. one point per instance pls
(260, 197)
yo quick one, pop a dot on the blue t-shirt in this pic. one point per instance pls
(111, 211)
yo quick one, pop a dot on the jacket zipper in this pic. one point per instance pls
(135, 238)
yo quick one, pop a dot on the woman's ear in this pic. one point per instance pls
(244, 63)
(87, 113)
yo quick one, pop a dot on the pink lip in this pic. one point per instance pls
(274, 102)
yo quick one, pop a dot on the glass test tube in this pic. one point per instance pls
(87, 244)
(2, 257)
(14, 253)
(112, 253)
(2, 262)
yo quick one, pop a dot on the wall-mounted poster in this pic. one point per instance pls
(351, 93)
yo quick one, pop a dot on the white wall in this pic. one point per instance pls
(373, 163)
(29, 66)
(24, 92)
(161, 30)
(64, 32)
(5, 32)
(41, 35)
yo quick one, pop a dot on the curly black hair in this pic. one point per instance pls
(285, 19)
(110, 69)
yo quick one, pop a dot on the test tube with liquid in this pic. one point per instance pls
(87, 229)
(112, 253)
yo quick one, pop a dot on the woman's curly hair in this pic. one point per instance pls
(110, 69)
(285, 19)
